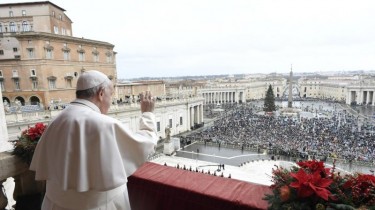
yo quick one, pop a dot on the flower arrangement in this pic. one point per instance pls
(311, 186)
(25, 145)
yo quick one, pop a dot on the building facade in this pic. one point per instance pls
(128, 92)
(40, 60)
(349, 89)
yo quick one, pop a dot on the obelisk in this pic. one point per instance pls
(290, 95)
(4, 144)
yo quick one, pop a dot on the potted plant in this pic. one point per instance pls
(311, 186)
(25, 145)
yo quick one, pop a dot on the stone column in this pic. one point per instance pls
(201, 113)
(4, 144)
(192, 120)
(348, 97)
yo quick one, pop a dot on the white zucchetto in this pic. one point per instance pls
(90, 79)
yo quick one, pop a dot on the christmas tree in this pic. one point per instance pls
(269, 101)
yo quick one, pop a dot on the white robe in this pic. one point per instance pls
(86, 157)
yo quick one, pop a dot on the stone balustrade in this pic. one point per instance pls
(25, 184)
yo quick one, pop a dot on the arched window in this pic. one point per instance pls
(21, 100)
(34, 100)
(25, 26)
(12, 27)
(7, 100)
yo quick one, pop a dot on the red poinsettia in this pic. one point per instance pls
(310, 184)
(362, 188)
(313, 166)
(25, 145)
(34, 133)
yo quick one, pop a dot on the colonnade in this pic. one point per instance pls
(196, 114)
(361, 97)
(223, 97)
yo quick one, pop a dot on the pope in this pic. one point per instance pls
(86, 156)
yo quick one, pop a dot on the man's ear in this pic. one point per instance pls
(101, 94)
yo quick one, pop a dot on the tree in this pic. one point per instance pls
(269, 101)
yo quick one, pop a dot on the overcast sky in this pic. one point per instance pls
(205, 37)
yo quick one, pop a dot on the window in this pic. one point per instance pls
(158, 126)
(109, 58)
(23, 12)
(30, 52)
(68, 83)
(48, 54)
(1, 73)
(1, 28)
(95, 53)
(96, 58)
(12, 27)
(53, 13)
(60, 17)
(52, 84)
(14, 73)
(32, 72)
(1, 52)
(15, 49)
(10, 13)
(170, 123)
(180, 120)
(16, 83)
(56, 29)
(81, 56)
(63, 31)
(25, 26)
(66, 55)
(2, 85)
(35, 84)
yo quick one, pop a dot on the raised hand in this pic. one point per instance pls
(147, 102)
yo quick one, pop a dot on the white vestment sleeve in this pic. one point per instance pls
(136, 147)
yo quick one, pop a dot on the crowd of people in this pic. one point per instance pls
(341, 135)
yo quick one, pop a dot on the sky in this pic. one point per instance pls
(167, 38)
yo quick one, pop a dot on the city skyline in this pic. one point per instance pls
(192, 38)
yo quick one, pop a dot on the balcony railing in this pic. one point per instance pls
(155, 187)
(25, 184)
